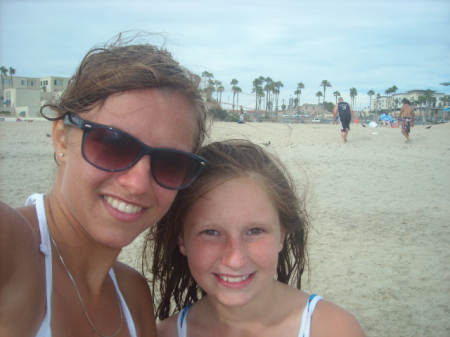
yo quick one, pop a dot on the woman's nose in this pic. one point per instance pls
(137, 179)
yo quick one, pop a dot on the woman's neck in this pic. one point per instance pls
(87, 261)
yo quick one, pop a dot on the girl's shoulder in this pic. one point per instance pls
(168, 327)
(331, 320)
(328, 319)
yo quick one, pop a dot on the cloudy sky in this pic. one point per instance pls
(369, 45)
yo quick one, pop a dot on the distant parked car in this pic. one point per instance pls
(306, 115)
(285, 115)
(316, 120)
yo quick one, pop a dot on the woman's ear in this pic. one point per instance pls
(181, 245)
(59, 140)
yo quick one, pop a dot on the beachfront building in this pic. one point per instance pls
(311, 109)
(394, 102)
(23, 96)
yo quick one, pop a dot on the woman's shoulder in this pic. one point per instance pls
(136, 292)
(331, 320)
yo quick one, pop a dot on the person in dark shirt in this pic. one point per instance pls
(345, 115)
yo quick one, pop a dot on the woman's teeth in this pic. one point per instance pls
(234, 279)
(122, 206)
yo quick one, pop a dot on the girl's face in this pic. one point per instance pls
(232, 237)
(113, 208)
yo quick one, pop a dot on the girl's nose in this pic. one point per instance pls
(235, 256)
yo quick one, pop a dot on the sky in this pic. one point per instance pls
(369, 45)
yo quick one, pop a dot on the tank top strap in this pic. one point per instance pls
(182, 322)
(305, 326)
(46, 249)
(126, 311)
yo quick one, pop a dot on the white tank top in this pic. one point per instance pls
(46, 249)
(304, 327)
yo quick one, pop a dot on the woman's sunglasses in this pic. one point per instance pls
(113, 150)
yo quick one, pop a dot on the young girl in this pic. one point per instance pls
(217, 250)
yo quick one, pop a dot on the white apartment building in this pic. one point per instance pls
(394, 102)
(24, 96)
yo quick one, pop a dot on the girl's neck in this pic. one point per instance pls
(260, 309)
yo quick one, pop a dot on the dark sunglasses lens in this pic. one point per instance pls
(110, 149)
(173, 169)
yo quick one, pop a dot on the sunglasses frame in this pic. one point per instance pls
(74, 120)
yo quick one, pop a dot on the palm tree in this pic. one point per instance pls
(353, 94)
(393, 90)
(336, 94)
(370, 93)
(388, 92)
(238, 90)
(260, 94)
(233, 83)
(209, 89)
(278, 85)
(256, 85)
(300, 86)
(217, 83)
(220, 90)
(396, 102)
(268, 88)
(318, 95)
(428, 95)
(421, 100)
(3, 72)
(206, 75)
(12, 72)
(297, 92)
(325, 84)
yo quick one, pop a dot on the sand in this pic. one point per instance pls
(380, 246)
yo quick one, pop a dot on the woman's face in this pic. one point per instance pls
(232, 237)
(113, 208)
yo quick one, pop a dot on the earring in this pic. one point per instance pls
(61, 154)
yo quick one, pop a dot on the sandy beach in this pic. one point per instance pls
(380, 246)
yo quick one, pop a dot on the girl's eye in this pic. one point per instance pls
(210, 232)
(255, 231)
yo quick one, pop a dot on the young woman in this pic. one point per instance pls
(217, 250)
(124, 133)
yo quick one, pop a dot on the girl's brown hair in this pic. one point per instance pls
(173, 286)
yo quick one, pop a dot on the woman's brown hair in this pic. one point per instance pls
(122, 64)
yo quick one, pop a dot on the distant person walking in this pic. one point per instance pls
(345, 115)
(406, 116)
(241, 117)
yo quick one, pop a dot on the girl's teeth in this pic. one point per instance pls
(122, 206)
(235, 279)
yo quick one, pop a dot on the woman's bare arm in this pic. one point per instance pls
(22, 280)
